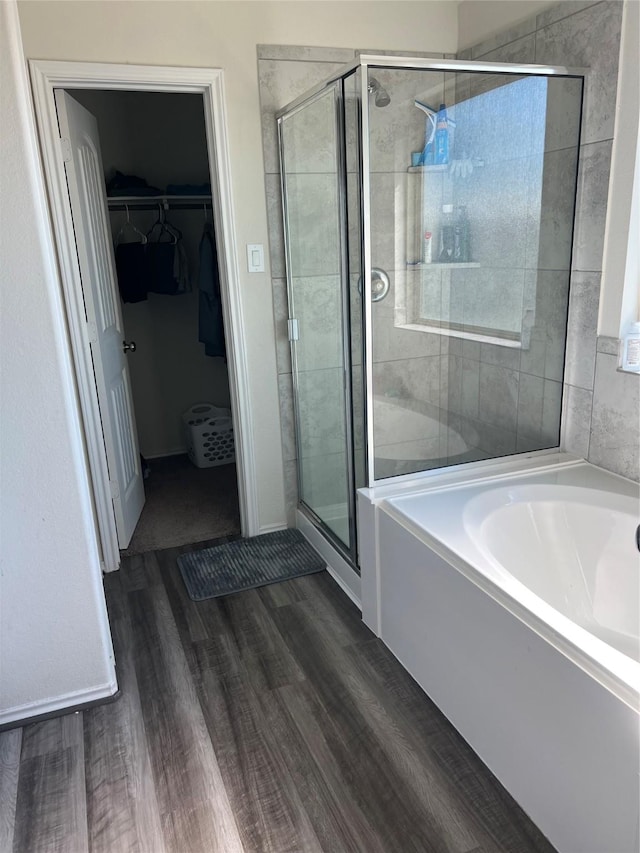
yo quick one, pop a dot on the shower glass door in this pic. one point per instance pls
(470, 181)
(314, 209)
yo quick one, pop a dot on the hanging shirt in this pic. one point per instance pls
(210, 323)
(131, 267)
(167, 268)
(166, 259)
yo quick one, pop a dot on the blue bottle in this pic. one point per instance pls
(442, 137)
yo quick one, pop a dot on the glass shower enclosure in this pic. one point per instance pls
(428, 217)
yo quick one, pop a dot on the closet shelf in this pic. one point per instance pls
(152, 202)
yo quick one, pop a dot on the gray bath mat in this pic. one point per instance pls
(248, 563)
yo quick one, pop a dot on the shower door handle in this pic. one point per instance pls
(380, 284)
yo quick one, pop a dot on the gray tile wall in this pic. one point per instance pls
(284, 73)
(520, 209)
(600, 404)
(408, 364)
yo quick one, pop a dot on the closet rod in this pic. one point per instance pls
(152, 202)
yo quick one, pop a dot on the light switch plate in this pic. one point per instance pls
(255, 257)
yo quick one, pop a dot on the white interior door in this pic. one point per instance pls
(83, 165)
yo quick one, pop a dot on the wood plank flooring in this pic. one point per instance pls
(271, 720)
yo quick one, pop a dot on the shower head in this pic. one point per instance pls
(380, 95)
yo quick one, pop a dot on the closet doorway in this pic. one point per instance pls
(162, 386)
(156, 173)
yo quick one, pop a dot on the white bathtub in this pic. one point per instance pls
(513, 600)
(574, 549)
(407, 440)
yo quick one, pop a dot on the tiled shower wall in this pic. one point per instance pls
(600, 403)
(285, 73)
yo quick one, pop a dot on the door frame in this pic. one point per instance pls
(47, 75)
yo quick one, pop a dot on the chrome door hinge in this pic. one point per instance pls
(65, 148)
(92, 332)
(115, 491)
(292, 326)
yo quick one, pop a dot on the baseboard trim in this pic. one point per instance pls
(343, 586)
(346, 578)
(77, 701)
(178, 451)
(271, 528)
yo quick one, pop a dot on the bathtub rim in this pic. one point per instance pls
(553, 626)
(453, 476)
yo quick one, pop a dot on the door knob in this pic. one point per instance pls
(128, 347)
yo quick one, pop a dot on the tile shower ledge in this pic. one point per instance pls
(455, 333)
(455, 265)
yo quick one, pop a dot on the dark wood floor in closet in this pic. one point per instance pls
(271, 720)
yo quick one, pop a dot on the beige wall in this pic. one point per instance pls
(54, 637)
(225, 35)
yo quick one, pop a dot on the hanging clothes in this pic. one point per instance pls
(154, 263)
(131, 268)
(210, 323)
(131, 262)
(166, 259)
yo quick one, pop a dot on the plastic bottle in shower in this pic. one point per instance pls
(447, 238)
(442, 137)
(427, 246)
(461, 250)
(631, 349)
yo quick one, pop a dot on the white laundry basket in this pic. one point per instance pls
(209, 434)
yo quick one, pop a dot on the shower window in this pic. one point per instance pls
(499, 137)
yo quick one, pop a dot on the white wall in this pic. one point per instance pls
(225, 35)
(480, 19)
(54, 639)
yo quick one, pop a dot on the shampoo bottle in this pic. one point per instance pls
(442, 137)
(631, 349)
(427, 253)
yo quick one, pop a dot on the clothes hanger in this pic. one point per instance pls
(135, 230)
(175, 233)
(165, 228)
(208, 224)
(157, 223)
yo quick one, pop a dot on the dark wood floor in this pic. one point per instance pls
(271, 720)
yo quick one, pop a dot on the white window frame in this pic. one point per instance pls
(620, 288)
